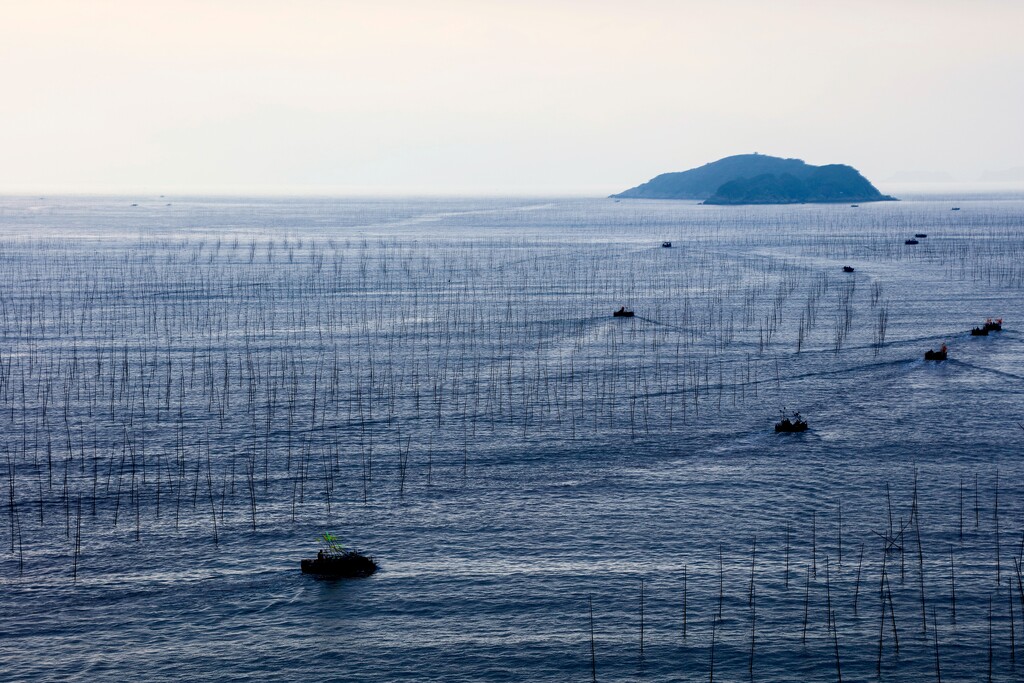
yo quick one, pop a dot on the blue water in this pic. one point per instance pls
(193, 389)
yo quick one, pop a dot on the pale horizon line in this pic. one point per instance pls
(924, 187)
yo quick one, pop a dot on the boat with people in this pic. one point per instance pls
(788, 424)
(932, 354)
(666, 245)
(623, 313)
(333, 561)
(847, 269)
(921, 235)
(911, 242)
(989, 326)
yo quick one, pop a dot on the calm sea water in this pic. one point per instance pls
(193, 389)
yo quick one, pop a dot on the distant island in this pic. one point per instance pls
(760, 179)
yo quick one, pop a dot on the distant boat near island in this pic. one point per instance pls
(761, 179)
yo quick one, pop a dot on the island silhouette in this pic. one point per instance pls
(760, 179)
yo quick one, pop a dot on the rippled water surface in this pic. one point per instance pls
(193, 389)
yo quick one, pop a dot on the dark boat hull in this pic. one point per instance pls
(935, 355)
(788, 427)
(346, 567)
(623, 314)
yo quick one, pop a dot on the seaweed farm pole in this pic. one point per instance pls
(753, 608)
(840, 533)
(977, 517)
(78, 543)
(711, 674)
(961, 510)
(952, 585)
(807, 599)
(21, 549)
(684, 602)
(787, 555)
(1020, 586)
(213, 506)
(856, 585)
(828, 596)
(593, 655)
(10, 490)
(920, 568)
(641, 617)
(903, 555)
(721, 581)
(250, 470)
(990, 638)
(835, 645)
(881, 620)
(995, 515)
(814, 542)
(888, 503)
(892, 614)
(1013, 628)
(935, 634)
(753, 554)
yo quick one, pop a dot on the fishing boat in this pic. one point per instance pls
(921, 235)
(794, 424)
(335, 562)
(666, 245)
(932, 354)
(911, 242)
(993, 325)
(847, 269)
(623, 313)
(979, 332)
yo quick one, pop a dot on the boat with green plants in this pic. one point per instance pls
(334, 561)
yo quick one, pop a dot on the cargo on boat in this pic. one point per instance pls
(791, 424)
(335, 562)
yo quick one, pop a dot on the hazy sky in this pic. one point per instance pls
(445, 96)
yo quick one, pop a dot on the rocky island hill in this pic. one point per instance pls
(760, 179)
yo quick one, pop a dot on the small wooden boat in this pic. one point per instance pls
(911, 242)
(932, 354)
(979, 332)
(333, 561)
(788, 425)
(921, 235)
(666, 245)
(347, 565)
(847, 269)
(993, 325)
(854, 206)
(955, 208)
(623, 313)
